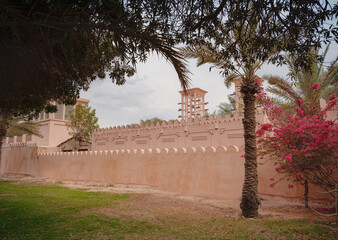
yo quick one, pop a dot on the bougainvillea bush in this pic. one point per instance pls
(303, 145)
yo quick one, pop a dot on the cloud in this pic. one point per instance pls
(153, 91)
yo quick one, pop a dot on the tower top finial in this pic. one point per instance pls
(192, 103)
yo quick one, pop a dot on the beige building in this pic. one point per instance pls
(52, 127)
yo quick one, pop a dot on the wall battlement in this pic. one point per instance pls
(171, 124)
(141, 152)
(218, 131)
(21, 145)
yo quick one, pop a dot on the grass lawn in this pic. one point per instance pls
(29, 211)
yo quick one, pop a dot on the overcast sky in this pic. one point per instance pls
(153, 91)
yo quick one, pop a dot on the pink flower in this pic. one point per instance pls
(299, 102)
(272, 185)
(288, 157)
(332, 97)
(243, 155)
(293, 136)
(272, 179)
(298, 130)
(260, 132)
(315, 86)
(266, 126)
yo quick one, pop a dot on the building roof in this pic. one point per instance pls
(193, 90)
(69, 139)
(82, 100)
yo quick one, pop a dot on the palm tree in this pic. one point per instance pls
(242, 33)
(249, 87)
(19, 127)
(300, 87)
(228, 108)
(237, 46)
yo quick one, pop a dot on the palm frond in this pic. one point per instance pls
(177, 61)
(190, 52)
(321, 65)
(229, 79)
(231, 99)
(326, 92)
(279, 93)
(331, 75)
(257, 65)
(24, 127)
(225, 108)
(286, 106)
(204, 55)
(285, 89)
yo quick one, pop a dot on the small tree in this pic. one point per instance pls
(302, 146)
(83, 122)
(150, 121)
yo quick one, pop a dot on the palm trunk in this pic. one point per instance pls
(250, 201)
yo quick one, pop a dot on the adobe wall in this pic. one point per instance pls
(201, 132)
(209, 172)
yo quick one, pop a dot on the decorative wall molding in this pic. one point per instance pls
(188, 133)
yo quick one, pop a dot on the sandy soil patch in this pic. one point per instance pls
(151, 204)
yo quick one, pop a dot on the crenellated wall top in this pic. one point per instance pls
(174, 124)
(21, 144)
(163, 151)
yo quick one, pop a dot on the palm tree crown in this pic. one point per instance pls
(308, 84)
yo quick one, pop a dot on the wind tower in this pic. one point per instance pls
(238, 96)
(192, 103)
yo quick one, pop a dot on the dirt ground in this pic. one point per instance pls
(151, 204)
